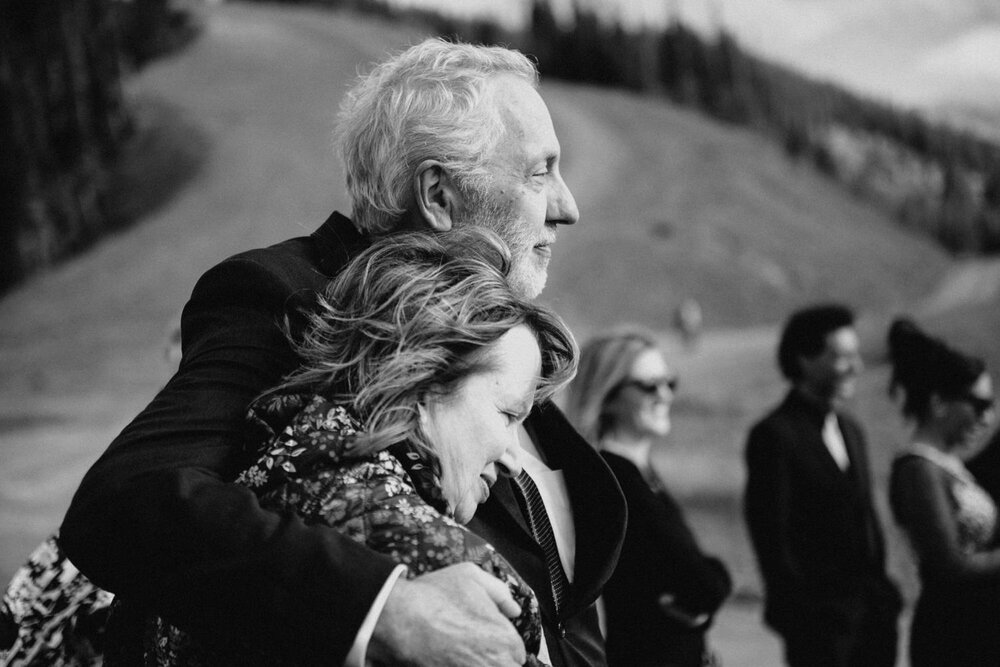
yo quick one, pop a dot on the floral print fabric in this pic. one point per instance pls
(55, 614)
(390, 500)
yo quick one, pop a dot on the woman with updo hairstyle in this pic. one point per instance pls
(949, 519)
(665, 591)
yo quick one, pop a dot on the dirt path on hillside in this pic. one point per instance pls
(82, 347)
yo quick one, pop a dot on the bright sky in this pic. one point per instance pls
(925, 53)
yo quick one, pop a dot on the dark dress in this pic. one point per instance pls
(949, 519)
(660, 556)
(390, 501)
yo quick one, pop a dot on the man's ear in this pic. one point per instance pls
(436, 196)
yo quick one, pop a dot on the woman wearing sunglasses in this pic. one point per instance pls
(949, 519)
(665, 590)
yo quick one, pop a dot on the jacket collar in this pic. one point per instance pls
(339, 241)
(805, 404)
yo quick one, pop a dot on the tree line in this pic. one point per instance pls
(64, 119)
(929, 176)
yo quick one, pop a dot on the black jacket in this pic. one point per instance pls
(818, 540)
(660, 555)
(157, 522)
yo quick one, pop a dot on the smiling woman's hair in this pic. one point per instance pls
(412, 317)
(605, 362)
(432, 101)
(925, 366)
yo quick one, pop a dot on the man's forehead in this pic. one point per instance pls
(525, 113)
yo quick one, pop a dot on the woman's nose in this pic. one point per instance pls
(511, 461)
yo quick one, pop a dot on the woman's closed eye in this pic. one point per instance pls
(516, 416)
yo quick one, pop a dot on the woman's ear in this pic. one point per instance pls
(436, 196)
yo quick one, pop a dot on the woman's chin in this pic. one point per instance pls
(464, 512)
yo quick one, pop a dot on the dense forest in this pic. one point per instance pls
(64, 120)
(931, 177)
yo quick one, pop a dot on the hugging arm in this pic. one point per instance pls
(157, 522)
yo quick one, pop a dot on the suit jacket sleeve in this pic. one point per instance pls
(156, 520)
(767, 506)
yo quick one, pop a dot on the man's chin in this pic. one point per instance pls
(528, 284)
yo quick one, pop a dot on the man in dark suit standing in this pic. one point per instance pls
(809, 509)
(441, 135)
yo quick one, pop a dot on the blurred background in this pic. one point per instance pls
(747, 156)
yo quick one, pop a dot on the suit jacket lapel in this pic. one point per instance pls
(810, 419)
(504, 498)
(599, 512)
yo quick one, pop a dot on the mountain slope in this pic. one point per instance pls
(672, 205)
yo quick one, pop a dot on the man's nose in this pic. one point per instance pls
(562, 205)
(511, 461)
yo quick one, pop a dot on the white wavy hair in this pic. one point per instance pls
(431, 101)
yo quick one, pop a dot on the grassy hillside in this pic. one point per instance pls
(672, 204)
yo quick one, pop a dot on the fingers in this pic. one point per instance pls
(498, 592)
(453, 617)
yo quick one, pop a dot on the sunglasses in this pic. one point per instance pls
(651, 387)
(979, 404)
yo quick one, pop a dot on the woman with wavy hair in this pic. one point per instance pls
(419, 367)
(949, 519)
(661, 599)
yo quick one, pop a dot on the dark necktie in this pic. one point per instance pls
(541, 529)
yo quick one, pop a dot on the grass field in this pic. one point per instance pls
(673, 205)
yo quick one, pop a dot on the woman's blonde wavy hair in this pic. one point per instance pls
(605, 362)
(413, 316)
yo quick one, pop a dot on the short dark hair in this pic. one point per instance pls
(805, 335)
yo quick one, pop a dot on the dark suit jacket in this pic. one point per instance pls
(818, 540)
(573, 637)
(156, 521)
(660, 555)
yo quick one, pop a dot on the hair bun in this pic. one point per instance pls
(908, 344)
(923, 365)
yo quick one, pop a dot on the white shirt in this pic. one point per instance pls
(552, 487)
(834, 441)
